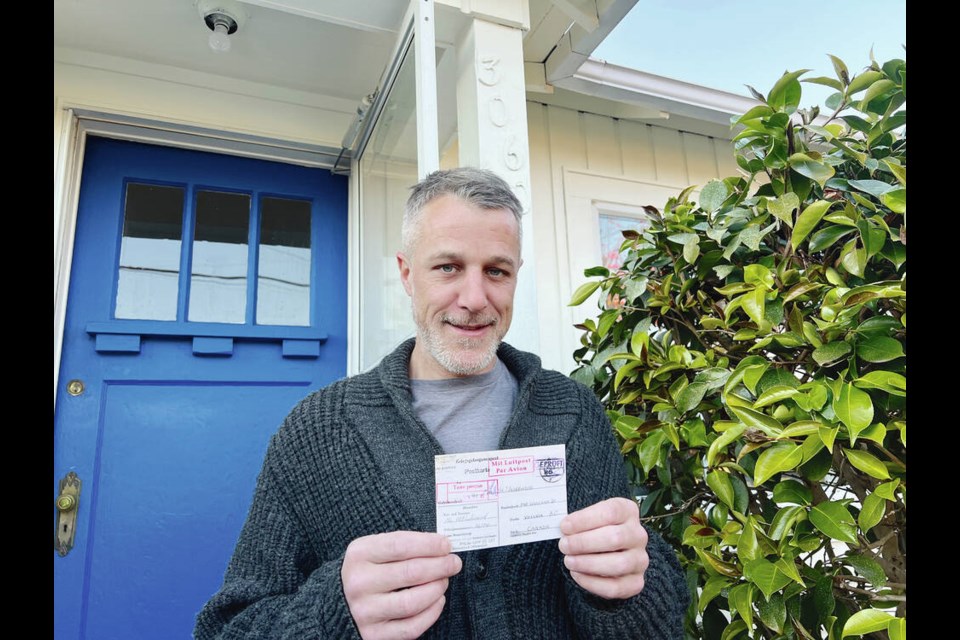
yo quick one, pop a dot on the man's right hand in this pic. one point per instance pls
(395, 582)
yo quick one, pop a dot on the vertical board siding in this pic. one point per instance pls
(636, 149)
(563, 140)
(669, 155)
(603, 153)
(543, 206)
(701, 159)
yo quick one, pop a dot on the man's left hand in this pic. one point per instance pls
(605, 548)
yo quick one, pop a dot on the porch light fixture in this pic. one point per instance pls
(223, 18)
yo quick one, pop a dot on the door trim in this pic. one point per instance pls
(79, 121)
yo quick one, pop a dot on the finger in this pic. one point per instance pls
(413, 572)
(609, 565)
(610, 588)
(604, 540)
(365, 578)
(409, 628)
(407, 603)
(402, 545)
(611, 511)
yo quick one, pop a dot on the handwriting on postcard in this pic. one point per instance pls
(495, 498)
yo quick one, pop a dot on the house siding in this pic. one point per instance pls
(564, 140)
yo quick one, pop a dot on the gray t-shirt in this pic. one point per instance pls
(467, 414)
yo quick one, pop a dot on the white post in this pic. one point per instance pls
(492, 127)
(424, 43)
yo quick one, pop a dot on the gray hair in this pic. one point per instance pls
(478, 187)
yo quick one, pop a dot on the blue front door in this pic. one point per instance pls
(207, 296)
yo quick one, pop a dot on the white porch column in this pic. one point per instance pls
(492, 129)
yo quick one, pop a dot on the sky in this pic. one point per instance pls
(726, 44)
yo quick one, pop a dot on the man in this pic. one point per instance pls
(339, 540)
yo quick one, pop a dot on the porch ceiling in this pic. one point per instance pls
(336, 49)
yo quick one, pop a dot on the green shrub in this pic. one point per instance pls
(750, 355)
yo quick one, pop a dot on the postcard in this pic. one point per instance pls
(495, 498)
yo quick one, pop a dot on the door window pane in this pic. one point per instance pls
(218, 278)
(149, 270)
(283, 271)
(611, 237)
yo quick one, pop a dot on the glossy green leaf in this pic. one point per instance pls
(897, 629)
(816, 170)
(864, 80)
(649, 450)
(757, 420)
(759, 111)
(777, 393)
(898, 170)
(866, 621)
(825, 81)
(711, 590)
(723, 441)
(733, 630)
(712, 378)
(808, 219)
(831, 352)
(741, 497)
(786, 93)
(633, 289)
(879, 349)
(638, 341)
(886, 490)
(867, 463)
(792, 492)
(583, 292)
(720, 566)
(801, 428)
(691, 250)
(876, 188)
(875, 90)
(773, 612)
(840, 68)
(895, 200)
(719, 483)
(766, 576)
(683, 238)
(784, 206)
(811, 446)
(607, 319)
(754, 304)
(775, 459)
(828, 435)
(854, 408)
(623, 372)
(782, 524)
(823, 598)
(596, 271)
(747, 546)
(788, 566)
(713, 194)
(824, 238)
(868, 568)
(741, 599)
(834, 520)
(854, 259)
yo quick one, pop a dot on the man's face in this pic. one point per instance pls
(461, 277)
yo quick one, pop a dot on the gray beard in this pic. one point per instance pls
(452, 358)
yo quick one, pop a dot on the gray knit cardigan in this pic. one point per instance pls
(352, 459)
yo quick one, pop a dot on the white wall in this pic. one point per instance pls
(582, 160)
